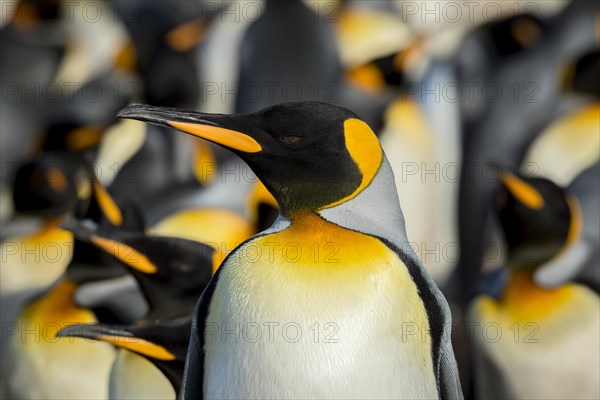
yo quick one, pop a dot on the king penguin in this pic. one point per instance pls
(536, 342)
(335, 262)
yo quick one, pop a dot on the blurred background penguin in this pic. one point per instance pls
(553, 351)
(488, 113)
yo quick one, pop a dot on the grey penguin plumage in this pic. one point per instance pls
(289, 54)
(500, 130)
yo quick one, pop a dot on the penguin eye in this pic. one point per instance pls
(290, 139)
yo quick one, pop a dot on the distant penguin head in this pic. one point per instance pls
(71, 137)
(581, 76)
(309, 155)
(45, 186)
(172, 79)
(171, 272)
(181, 263)
(538, 219)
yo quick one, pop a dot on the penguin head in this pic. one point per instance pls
(76, 124)
(71, 137)
(31, 12)
(515, 34)
(582, 75)
(45, 187)
(538, 219)
(171, 272)
(309, 155)
(164, 38)
(163, 343)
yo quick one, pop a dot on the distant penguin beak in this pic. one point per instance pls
(216, 128)
(109, 208)
(125, 253)
(92, 331)
(88, 232)
(119, 337)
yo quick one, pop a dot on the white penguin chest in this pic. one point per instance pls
(333, 315)
(134, 377)
(545, 346)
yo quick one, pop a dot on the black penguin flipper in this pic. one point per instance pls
(446, 369)
(448, 378)
(440, 325)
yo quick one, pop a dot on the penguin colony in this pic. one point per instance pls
(280, 199)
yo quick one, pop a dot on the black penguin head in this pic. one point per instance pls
(172, 78)
(165, 36)
(44, 187)
(538, 218)
(515, 34)
(71, 137)
(76, 123)
(309, 155)
(171, 272)
(163, 343)
(582, 75)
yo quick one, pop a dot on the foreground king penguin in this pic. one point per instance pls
(331, 301)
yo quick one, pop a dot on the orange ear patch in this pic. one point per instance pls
(365, 150)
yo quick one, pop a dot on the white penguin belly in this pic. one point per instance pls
(555, 355)
(333, 315)
(42, 366)
(134, 377)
